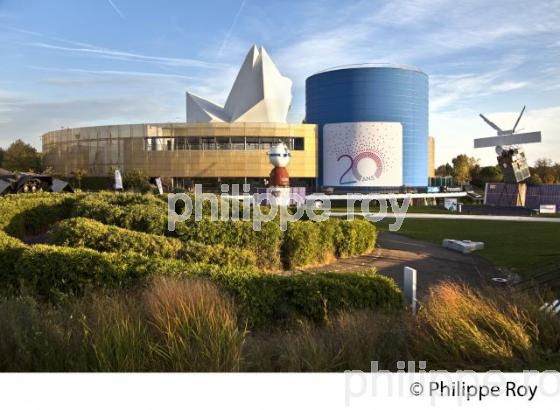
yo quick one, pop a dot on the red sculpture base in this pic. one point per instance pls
(279, 177)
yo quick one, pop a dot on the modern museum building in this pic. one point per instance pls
(366, 129)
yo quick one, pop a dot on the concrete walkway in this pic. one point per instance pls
(433, 262)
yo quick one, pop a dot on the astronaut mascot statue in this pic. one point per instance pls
(279, 185)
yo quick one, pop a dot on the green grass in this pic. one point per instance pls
(524, 247)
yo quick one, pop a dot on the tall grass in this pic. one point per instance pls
(350, 341)
(459, 328)
(191, 325)
(196, 326)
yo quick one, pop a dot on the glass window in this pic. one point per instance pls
(194, 143)
(238, 143)
(299, 144)
(252, 143)
(222, 143)
(266, 143)
(208, 143)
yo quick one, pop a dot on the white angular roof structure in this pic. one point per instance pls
(259, 94)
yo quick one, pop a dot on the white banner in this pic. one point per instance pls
(362, 154)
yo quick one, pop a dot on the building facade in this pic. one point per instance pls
(378, 93)
(366, 129)
(431, 157)
(207, 153)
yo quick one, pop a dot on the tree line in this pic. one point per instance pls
(467, 170)
(22, 157)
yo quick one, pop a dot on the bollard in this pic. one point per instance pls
(410, 288)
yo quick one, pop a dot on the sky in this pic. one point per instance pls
(79, 63)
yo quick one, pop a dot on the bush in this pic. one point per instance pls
(55, 273)
(37, 338)
(132, 211)
(355, 238)
(314, 243)
(25, 214)
(266, 299)
(194, 252)
(265, 244)
(10, 251)
(302, 245)
(82, 232)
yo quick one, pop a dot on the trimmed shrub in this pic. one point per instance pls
(33, 213)
(83, 232)
(355, 237)
(147, 215)
(88, 233)
(313, 243)
(265, 244)
(194, 252)
(266, 299)
(302, 245)
(56, 272)
(10, 251)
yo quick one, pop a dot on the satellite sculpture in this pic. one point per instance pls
(511, 157)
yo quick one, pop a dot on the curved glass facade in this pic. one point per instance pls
(388, 94)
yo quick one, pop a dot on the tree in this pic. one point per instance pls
(2, 152)
(136, 180)
(444, 170)
(79, 174)
(483, 175)
(548, 172)
(22, 157)
(462, 167)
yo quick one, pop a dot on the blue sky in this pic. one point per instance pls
(78, 63)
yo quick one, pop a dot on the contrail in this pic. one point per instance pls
(117, 10)
(230, 31)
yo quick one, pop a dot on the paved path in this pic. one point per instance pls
(412, 215)
(433, 262)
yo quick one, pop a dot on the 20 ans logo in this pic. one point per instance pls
(364, 166)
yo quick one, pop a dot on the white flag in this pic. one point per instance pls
(159, 185)
(118, 180)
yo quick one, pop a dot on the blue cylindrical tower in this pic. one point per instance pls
(375, 93)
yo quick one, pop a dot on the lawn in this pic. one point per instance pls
(524, 247)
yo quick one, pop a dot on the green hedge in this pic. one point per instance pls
(268, 299)
(130, 211)
(355, 237)
(56, 272)
(83, 232)
(194, 252)
(25, 214)
(312, 243)
(265, 244)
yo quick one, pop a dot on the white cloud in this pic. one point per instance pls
(123, 55)
(117, 10)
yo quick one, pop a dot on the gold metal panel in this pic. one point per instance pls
(99, 149)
